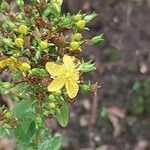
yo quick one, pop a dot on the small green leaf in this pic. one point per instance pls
(87, 66)
(20, 3)
(4, 6)
(3, 132)
(38, 72)
(56, 8)
(86, 88)
(57, 1)
(5, 87)
(63, 116)
(97, 39)
(47, 11)
(6, 42)
(88, 18)
(23, 108)
(25, 131)
(9, 24)
(56, 142)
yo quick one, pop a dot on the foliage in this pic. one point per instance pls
(40, 46)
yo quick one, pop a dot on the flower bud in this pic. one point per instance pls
(8, 115)
(77, 36)
(51, 97)
(25, 67)
(28, 9)
(81, 24)
(77, 17)
(43, 45)
(23, 29)
(1, 116)
(40, 95)
(74, 45)
(13, 122)
(57, 93)
(86, 88)
(38, 121)
(51, 105)
(54, 29)
(40, 22)
(19, 42)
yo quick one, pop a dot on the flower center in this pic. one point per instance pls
(68, 74)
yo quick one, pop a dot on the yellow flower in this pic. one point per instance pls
(8, 62)
(19, 42)
(25, 67)
(65, 74)
(43, 44)
(81, 24)
(23, 29)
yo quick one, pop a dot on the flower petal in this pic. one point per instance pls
(72, 88)
(54, 69)
(56, 84)
(74, 77)
(6, 62)
(68, 62)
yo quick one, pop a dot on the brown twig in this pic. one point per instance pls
(93, 121)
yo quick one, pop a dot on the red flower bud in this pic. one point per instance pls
(40, 22)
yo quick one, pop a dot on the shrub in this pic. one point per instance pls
(40, 47)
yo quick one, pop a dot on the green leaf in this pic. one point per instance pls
(4, 6)
(20, 3)
(46, 142)
(66, 20)
(47, 11)
(57, 1)
(88, 18)
(97, 39)
(38, 72)
(9, 24)
(6, 42)
(86, 88)
(5, 87)
(56, 142)
(17, 75)
(23, 108)
(56, 8)
(87, 66)
(25, 131)
(3, 132)
(63, 116)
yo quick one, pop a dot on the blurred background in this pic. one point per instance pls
(118, 118)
